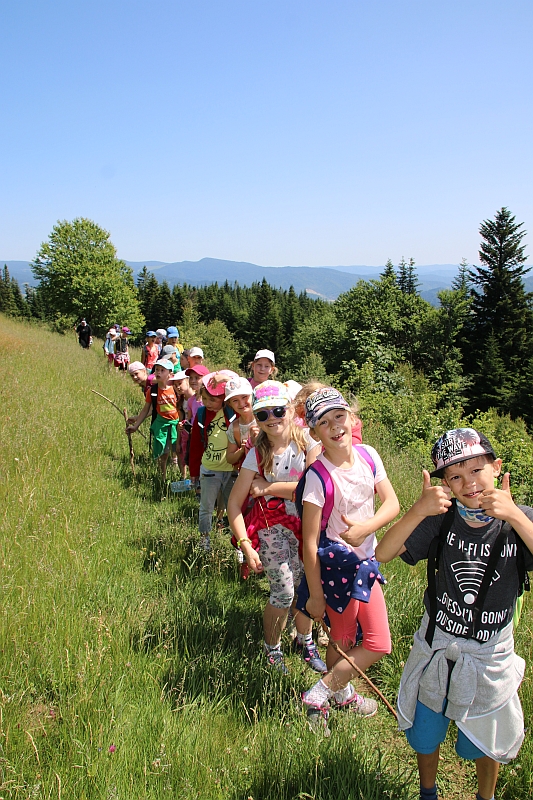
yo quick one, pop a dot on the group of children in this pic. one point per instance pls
(299, 486)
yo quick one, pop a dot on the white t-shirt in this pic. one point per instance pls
(244, 430)
(287, 466)
(353, 496)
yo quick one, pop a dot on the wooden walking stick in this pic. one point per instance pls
(359, 671)
(132, 454)
(114, 406)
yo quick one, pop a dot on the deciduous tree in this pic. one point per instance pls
(79, 275)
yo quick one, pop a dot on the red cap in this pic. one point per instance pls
(199, 369)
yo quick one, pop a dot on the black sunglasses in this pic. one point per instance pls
(264, 413)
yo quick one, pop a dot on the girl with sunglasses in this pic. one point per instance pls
(270, 474)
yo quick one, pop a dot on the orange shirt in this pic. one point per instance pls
(167, 402)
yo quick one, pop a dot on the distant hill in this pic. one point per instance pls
(325, 282)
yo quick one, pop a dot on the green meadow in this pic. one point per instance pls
(131, 665)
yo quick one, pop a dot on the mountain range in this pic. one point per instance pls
(324, 282)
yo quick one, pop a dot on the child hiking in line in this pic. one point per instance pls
(462, 665)
(313, 386)
(263, 367)
(341, 573)
(207, 453)
(242, 434)
(165, 426)
(150, 351)
(270, 473)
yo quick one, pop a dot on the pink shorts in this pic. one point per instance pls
(371, 616)
(183, 439)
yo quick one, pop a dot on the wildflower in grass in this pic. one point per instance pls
(112, 748)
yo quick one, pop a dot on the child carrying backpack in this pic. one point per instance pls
(342, 578)
(462, 665)
(270, 473)
(207, 453)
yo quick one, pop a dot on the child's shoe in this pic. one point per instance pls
(317, 720)
(349, 699)
(311, 656)
(275, 659)
(205, 542)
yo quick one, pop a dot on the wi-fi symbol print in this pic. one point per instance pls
(469, 575)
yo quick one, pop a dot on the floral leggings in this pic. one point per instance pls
(280, 559)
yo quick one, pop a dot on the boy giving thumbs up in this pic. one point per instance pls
(462, 666)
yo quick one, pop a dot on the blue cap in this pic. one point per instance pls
(172, 331)
(151, 333)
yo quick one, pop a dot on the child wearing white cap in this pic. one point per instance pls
(263, 367)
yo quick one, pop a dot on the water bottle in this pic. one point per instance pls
(181, 486)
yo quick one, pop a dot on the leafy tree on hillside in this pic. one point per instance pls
(79, 275)
(500, 325)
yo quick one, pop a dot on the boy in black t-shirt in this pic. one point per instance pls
(462, 665)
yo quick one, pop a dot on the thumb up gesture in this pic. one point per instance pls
(434, 500)
(498, 502)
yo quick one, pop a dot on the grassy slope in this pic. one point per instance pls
(116, 634)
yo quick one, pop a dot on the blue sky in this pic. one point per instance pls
(279, 132)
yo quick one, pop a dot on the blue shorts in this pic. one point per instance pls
(429, 730)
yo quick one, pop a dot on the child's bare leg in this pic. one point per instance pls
(163, 464)
(342, 672)
(303, 624)
(274, 621)
(487, 775)
(427, 768)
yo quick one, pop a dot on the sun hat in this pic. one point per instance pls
(163, 362)
(151, 333)
(320, 402)
(196, 351)
(238, 386)
(220, 388)
(172, 332)
(168, 350)
(293, 387)
(265, 354)
(161, 332)
(459, 444)
(200, 369)
(135, 366)
(178, 376)
(270, 394)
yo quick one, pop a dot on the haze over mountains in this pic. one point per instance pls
(325, 282)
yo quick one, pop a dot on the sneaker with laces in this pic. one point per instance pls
(311, 656)
(317, 720)
(275, 660)
(357, 704)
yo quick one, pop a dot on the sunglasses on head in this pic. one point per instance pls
(264, 413)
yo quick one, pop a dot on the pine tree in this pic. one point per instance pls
(7, 301)
(389, 273)
(501, 315)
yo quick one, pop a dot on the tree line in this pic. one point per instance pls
(474, 351)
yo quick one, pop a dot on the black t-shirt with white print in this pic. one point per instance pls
(462, 565)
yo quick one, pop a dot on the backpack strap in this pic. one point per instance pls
(200, 416)
(434, 552)
(523, 575)
(327, 487)
(365, 455)
(154, 393)
(489, 574)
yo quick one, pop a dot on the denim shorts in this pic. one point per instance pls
(429, 730)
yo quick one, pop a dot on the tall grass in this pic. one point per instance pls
(131, 663)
